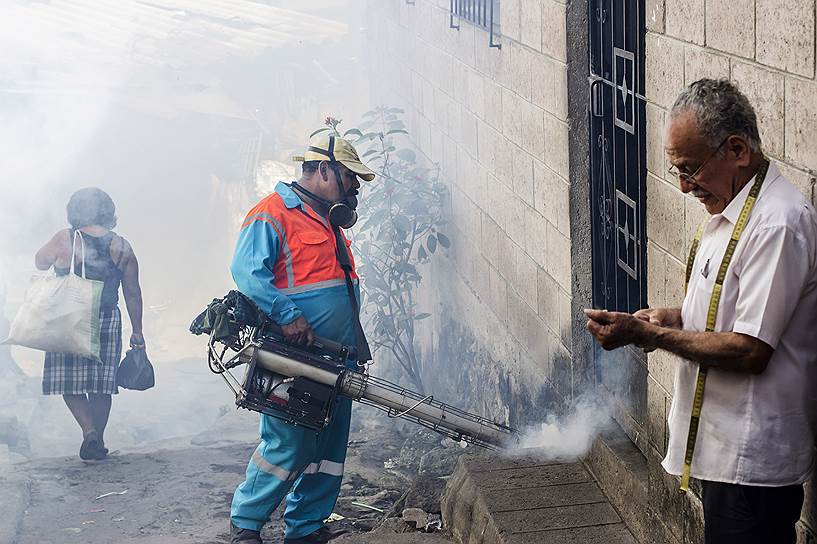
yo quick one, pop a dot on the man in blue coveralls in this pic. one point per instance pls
(286, 261)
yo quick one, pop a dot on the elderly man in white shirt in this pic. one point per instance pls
(743, 413)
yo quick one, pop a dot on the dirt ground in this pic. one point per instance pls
(179, 490)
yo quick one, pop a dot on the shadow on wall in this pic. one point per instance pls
(492, 389)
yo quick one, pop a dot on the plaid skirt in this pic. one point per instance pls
(69, 374)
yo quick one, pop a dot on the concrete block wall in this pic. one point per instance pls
(495, 122)
(768, 48)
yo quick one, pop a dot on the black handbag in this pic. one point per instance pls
(135, 371)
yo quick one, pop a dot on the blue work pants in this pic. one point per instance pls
(297, 463)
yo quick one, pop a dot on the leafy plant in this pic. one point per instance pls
(401, 216)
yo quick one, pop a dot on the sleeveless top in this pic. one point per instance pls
(99, 265)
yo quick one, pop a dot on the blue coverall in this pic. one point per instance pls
(304, 466)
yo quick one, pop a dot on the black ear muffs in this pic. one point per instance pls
(342, 215)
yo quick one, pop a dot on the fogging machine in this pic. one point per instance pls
(300, 384)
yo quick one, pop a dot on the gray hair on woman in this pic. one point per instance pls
(720, 110)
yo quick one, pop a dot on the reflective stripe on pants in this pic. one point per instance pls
(296, 459)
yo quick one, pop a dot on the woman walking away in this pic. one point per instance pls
(87, 384)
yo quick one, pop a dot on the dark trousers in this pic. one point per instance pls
(748, 514)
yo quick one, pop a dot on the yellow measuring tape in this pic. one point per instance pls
(712, 313)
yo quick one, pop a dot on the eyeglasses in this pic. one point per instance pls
(690, 178)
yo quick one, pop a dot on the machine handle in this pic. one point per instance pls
(322, 344)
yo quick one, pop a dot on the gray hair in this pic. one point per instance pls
(720, 110)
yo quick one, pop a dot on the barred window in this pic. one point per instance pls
(480, 13)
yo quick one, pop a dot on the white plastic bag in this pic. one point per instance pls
(60, 313)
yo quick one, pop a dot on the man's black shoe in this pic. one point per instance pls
(321, 536)
(244, 536)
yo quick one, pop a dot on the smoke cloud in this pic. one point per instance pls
(185, 113)
(571, 435)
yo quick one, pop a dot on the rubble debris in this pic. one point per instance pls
(435, 523)
(424, 492)
(416, 518)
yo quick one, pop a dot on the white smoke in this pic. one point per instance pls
(569, 436)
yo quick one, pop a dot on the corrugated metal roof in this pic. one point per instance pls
(91, 47)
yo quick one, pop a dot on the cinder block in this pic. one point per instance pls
(537, 239)
(513, 112)
(657, 408)
(480, 279)
(510, 15)
(559, 74)
(656, 275)
(505, 259)
(486, 146)
(551, 197)
(548, 299)
(476, 94)
(800, 179)
(801, 123)
(674, 288)
(436, 151)
(467, 176)
(559, 258)
(515, 220)
(526, 278)
(562, 199)
(764, 89)
(523, 177)
(459, 72)
(477, 188)
(785, 35)
(468, 132)
(685, 20)
(493, 62)
(505, 155)
(498, 294)
(730, 26)
(465, 46)
(500, 205)
(665, 216)
(661, 367)
(520, 70)
(466, 216)
(533, 130)
(531, 24)
(656, 156)
(442, 110)
(557, 148)
(490, 237)
(448, 166)
(700, 63)
(665, 79)
(493, 103)
(565, 318)
(554, 34)
(655, 11)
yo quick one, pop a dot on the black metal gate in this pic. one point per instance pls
(618, 154)
(618, 189)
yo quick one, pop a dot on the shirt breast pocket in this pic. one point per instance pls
(314, 254)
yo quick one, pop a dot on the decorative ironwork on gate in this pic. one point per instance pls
(481, 13)
(618, 154)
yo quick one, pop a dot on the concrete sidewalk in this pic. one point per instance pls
(495, 500)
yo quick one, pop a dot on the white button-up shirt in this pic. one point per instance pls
(755, 429)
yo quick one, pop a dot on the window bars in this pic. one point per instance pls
(481, 13)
